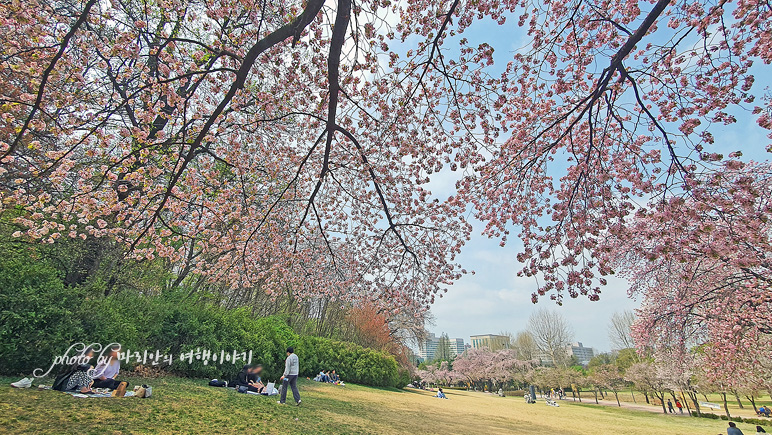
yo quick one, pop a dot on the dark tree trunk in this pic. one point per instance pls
(693, 396)
(739, 402)
(726, 406)
(753, 402)
(686, 403)
(661, 397)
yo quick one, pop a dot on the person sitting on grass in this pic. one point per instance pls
(249, 377)
(335, 378)
(763, 410)
(106, 372)
(79, 379)
(733, 429)
(440, 394)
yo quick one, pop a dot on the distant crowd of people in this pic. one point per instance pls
(557, 394)
(328, 376)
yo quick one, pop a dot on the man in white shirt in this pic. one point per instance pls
(290, 377)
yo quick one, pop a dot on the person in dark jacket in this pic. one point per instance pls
(733, 429)
(249, 377)
(79, 376)
(76, 377)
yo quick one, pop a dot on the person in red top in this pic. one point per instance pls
(679, 406)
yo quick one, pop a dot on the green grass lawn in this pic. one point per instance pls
(190, 406)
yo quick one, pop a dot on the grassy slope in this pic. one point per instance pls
(189, 406)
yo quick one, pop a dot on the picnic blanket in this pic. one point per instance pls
(81, 395)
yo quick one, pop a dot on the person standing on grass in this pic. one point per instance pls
(670, 406)
(290, 377)
(733, 430)
(679, 406)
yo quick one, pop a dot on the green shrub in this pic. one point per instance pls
(353, 363)
(403, 377)
(41, 318)
(754, 421)
(37, 313)
(757, 421)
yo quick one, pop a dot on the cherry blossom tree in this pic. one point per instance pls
(646, 377)
(701, 267)
(680, 369)
(484, 366)
(289, 144)
(254, 143)
(627, 95)
(439, 373)
(607, 376)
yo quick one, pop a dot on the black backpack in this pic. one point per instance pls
(60, 382)
(216, 383)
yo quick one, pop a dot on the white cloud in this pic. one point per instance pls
(495, 299)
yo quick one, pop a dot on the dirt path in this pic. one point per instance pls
(643, 406)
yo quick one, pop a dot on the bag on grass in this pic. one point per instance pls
(217, 383)
(143, 391)
(60, 382)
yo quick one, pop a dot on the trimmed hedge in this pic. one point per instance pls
(40, 318)
(756, 421)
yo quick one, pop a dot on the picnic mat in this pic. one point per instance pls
(81, 395)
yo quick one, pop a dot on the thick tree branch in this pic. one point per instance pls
(46, 74)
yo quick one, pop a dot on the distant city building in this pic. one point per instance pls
(490, 341)
(457, 345)
(582, 354)
(428, 347)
